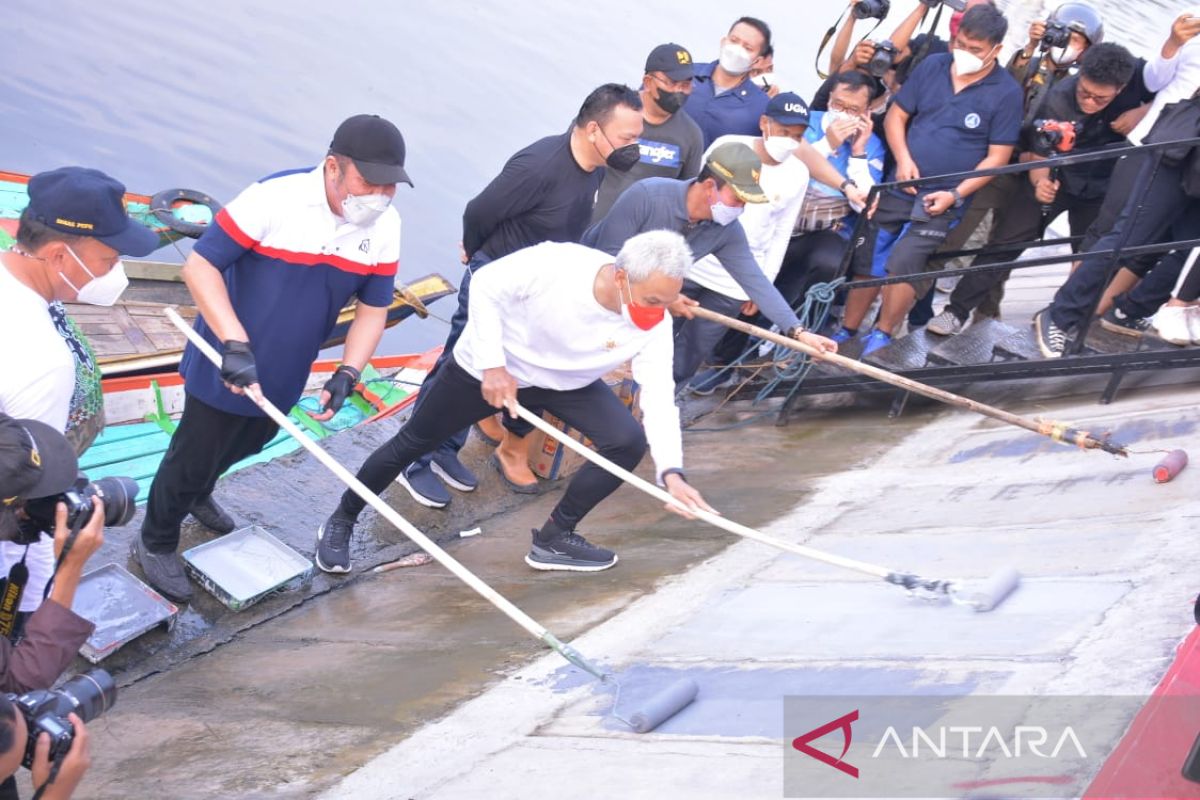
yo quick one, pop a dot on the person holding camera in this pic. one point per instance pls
(69, 243)
(956, 113)
(270, 276)
(1079, 111)
(51, 781)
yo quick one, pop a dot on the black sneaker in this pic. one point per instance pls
(163, 571)
(1114, 320)
(424, 486)
(333, 544)
(570, 552)
(455, 473)
(1051, 339)
(212, 516)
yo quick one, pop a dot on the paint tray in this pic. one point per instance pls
(121, 607)
(245, 566)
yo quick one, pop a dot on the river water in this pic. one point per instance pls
(214, 95)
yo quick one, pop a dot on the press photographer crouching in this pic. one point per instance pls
(40, 489)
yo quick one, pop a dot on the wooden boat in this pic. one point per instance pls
(133, 337)
(141, 413)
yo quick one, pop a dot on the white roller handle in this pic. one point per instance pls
(387, 512)
(707, 516)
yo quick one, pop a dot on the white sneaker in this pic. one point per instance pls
(1193, 321)
(1171, 322)
(945, 323)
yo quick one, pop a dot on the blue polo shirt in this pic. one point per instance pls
(289, 265)
(951, 132)
(735, 111)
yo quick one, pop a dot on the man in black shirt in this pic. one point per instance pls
(544, 193)
(1103, 89)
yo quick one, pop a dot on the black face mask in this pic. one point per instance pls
(670, 102)
(623, 158)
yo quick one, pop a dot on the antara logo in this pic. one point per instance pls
(801, 743)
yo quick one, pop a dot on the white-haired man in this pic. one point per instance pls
(541, 331)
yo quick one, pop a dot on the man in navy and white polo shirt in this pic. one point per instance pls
(724, 100)
(957, 112)
(270, 278)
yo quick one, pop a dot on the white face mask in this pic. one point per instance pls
(102, 291)
(966, 63)
(725, 215)
(1064, 56)
(735, 59)
(780, 147)
(363, 209)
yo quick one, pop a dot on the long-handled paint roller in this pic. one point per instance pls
(651, 712)
(1057, 431)
(982, 596)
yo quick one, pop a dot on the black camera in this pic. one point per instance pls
(957, 5)
(1056, 35)
(89, 695)
(871, 9)
(120, 503)
(1050, 136)
(882, 59)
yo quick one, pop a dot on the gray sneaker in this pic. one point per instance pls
(164, 571)
(945, 323)
(333, 544)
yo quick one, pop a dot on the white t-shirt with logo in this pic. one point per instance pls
(37, 380)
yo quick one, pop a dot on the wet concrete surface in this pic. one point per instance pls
(286, 697)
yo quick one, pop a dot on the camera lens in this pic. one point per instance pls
(92, 693)
(120, 499)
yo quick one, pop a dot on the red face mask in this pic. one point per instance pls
(644, 317)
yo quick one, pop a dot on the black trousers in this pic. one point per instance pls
(811, 258)
(1120, 187)
(453, 401)
(695, 339)
(207, 442)
(1018, 219)
(1155, 208)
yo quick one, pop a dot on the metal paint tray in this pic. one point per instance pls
(121, 607)
(243, 567)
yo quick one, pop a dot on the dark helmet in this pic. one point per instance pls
(1082, 17)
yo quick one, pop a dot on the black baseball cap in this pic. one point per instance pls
(35, 461)
(672, 59)
(375, 146)
(86, 202)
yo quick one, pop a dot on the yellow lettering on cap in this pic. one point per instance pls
(87, 226)
(754, 175)
(683, 57)
(8, 501)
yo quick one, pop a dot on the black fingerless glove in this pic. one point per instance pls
(340, 386)
(237, 366)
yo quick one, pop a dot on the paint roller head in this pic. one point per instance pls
(1171, 465)
(662, 705)
(991, 592)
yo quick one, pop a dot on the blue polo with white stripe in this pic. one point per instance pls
(290, 265)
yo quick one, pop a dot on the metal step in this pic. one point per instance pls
(975, 345)
(907, 352)
(1020, 345)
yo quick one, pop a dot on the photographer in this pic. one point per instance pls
(36, 462)
(14, 732)
(1079, 110)
(959, 112)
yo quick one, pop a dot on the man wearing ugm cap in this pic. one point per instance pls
(705, 210)
(270, 276)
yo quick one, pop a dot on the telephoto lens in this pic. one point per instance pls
(871, 9)
(120, 499)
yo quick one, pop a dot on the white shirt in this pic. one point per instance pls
(534, 312)
(768, 225)
(37, 379)
(1174, 79)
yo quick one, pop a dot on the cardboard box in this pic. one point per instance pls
(549, 459)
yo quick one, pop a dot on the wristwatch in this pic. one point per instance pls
(958, 198)
(845, 183)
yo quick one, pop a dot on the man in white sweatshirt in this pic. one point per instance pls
(542, 331)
